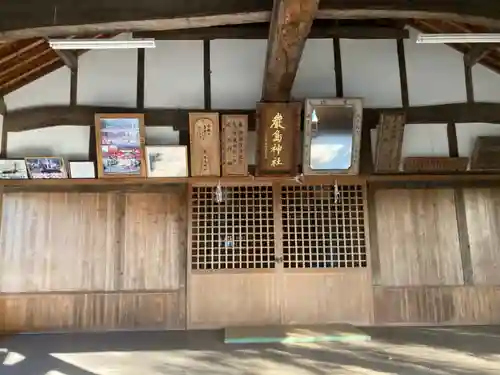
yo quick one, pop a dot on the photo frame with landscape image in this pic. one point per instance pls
(46, 167)
(13, 169)
(120, 145)
(167, 161)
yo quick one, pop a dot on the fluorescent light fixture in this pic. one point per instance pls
(101, 43)
(458, 38)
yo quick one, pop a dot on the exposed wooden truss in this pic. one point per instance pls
(54, 17)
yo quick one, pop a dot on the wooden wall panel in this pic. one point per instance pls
(98, 311)
(482, 208)
(317, 297)
(225, 299)
(154, 240)
(417, 237)
(57, 241)
(437, 305)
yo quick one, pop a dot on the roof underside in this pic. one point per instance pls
(23, 61)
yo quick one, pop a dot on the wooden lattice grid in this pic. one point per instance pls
(323, 227)
(237, 233)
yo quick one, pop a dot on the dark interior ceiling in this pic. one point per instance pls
(23, 61)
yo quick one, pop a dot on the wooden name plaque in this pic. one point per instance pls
(205, 144)
(278, 136)
(486, 154)
(389, 142)
(234, 145)
(435, 164)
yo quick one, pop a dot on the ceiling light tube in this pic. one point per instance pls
(458, 38)
(101, 43)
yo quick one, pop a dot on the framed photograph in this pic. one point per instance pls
(13, 170)
(120, 145)
(167, 161)
(46, 167)
(81, 169)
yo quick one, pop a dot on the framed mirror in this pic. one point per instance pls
(332, 136)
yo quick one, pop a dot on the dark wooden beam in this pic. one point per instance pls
(47, 116)
(476, 53)
(291, 22)
(73, 85)
(337, 60)
(451, 131)
(403, 77)
(70, 58)
(469, 85)
(141, 55)
(320, 30)
(56, 17)
(207, 75)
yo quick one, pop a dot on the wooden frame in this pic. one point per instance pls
(357, 106)
(100, 167)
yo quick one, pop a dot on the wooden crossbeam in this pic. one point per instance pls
(476, 53)
(291, 23)
(319, 30)
(80, 115)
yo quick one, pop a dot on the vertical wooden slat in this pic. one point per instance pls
(339, 79)
(207, 72)
(451, 130)
(120, 233)
(469, 86)
(73, 90)
(141, 54)
(403, 78)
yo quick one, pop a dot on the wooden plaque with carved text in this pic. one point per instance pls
(389, 142)
(278, 137)
(204, 144)
(434, 164)
(234, 134)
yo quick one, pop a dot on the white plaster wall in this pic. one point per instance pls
(371, 71)
(237, 72)
(435, 73)
(316, 75)
(174, 75)
(71, 142)
(108, 77)
(51, 89)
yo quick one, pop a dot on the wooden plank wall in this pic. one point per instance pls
(92, 261)
(420, 269)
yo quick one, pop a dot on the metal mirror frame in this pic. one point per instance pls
(357, 105)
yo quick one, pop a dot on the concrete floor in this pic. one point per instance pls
(412, 351)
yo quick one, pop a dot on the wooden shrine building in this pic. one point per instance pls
(305, 161)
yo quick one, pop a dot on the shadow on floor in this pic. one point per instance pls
(408, 351)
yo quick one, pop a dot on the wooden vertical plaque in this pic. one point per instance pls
(389, 142)
(234, 145)
(486, 154)
(278, 136)
(204, 144)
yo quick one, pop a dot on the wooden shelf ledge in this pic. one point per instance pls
(159, 184)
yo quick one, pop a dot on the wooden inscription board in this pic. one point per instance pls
(435, 164)
(205, 144)
(486, 154)
(234, 145)
(389, 142)
(278, 135)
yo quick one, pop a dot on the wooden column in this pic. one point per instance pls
(291, 22)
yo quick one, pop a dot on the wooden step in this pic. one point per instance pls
(294, 334)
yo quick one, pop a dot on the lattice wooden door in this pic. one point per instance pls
(276, 255)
